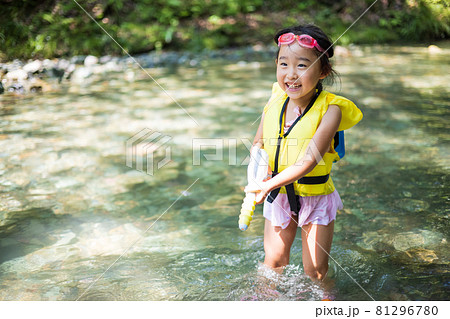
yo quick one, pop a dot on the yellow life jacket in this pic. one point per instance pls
(293, 147)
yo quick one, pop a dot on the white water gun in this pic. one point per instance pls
(256, 172)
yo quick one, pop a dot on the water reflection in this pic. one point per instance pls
(69, 206)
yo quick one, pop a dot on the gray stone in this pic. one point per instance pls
(90, 60)
(105, 59)
(80, 74)
(78, 59)
(33, 67)
(17, 75)
(16, 88)
(48, 64)
(63, 64)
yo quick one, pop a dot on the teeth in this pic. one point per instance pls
(292, 86)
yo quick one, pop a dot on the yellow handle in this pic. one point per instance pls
(247, 209)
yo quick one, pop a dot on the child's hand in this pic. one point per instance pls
(261, 191)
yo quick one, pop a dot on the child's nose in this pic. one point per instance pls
(292, 74)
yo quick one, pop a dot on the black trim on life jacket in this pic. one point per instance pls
(294, 200)
(336, 140)
(311, 180)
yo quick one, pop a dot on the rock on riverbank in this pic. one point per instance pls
(20, 77)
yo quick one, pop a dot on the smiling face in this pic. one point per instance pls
(298, 73)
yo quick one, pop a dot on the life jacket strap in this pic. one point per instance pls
(294, 200)
(274, 193)
(311, 180)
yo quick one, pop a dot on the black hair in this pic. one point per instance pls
(323, 40)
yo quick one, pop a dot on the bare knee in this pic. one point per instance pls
(316, 272)
(277, 244)
(276, 259)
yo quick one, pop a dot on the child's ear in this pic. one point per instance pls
(325, 73)
(276, 61)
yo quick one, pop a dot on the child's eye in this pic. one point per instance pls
(302, 65)
(283, 64)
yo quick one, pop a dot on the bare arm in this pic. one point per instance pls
(320, 142)
(259, 134)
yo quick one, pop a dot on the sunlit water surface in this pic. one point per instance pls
(70, 207)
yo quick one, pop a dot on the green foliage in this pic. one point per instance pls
(420, 20)
(49, 28)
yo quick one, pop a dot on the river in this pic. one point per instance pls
(77, 223)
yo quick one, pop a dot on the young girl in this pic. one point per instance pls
(298, 130)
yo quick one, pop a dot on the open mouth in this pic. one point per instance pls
(293, 86)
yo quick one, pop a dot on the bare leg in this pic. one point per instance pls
(277, 246)
(277, 243)
(316, 246)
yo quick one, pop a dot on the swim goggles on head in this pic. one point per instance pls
(304, 40)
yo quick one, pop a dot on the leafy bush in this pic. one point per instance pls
(55, 28)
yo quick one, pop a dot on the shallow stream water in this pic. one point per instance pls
(77, 223)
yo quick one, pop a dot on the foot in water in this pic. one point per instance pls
(328, 296)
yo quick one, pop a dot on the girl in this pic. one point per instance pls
(299, 129)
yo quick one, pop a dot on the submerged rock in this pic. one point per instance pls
(422, 255)
(422, 238)
(412, 205)
(402, 242)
